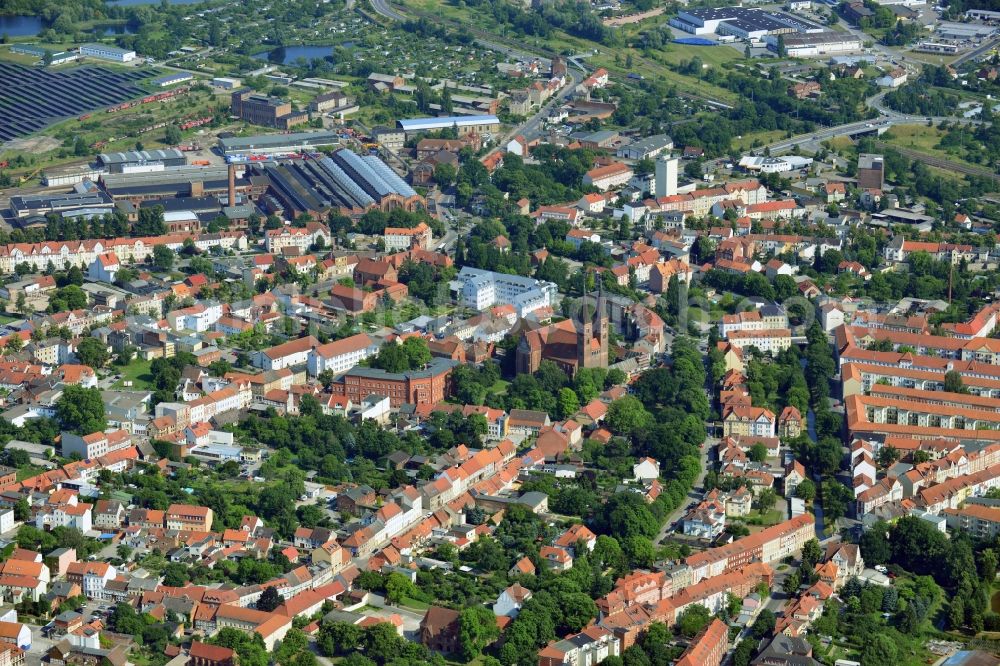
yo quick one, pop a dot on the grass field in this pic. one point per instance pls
(761, 139)
(138, 373)
(660, 68)
(500, 387)
(28, 471)
(675, 54)
(414, 604)
(766, 519)
(925, 139)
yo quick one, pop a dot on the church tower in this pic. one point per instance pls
(585, 329)
(601, 324)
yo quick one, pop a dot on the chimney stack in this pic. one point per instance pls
(232, 184)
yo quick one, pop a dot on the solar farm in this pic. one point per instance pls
(32, 99)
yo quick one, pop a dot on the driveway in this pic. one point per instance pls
(695, 493)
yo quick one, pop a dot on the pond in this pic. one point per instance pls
(287, 55)
(110, 30)
(21, 26)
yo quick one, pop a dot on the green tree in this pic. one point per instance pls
(269, 599)
(693, 619)
(22, 510)
(765, 499)
(888, 455)
(806, 490)
(477, 627)
(569, 404)
(444, 175)
(92, 352)
(398, 587)
(125, 620)
(874, 543)
(953, 382)
(163, 257)
(81, 410)
(879, 650)
(626, 414)
(758, 452)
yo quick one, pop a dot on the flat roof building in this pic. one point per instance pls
(263, 110)
(740, 22)
(871, 171)
(184, 181)
(482, 124)
(272, 144)
(817, 43)
(646, 148)
(105, 52)
(40, 52)
(481, 289)
(173, 79)
(118, 162)
(41, 204)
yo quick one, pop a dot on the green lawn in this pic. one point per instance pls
(28, 471)
(925, 139)
(138, 373)
(766, 519)
(500, 387)
(414, 604)
(748, 141)
(675, 54)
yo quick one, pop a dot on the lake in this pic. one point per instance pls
(293, 53)
(20, 26)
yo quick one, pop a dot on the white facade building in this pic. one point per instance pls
(341, 355)
(481, 289)
(105, 52)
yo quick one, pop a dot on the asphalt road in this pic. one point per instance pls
(888, 119)
(695, 494)
(976, 53)
(383, 8)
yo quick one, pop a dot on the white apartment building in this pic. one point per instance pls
(481, 289)
(301, 237)
(399, 238)
(128, 250)
(771, 341)
(95, 444)
(341, 355)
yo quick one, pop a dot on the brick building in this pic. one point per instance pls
(419, 387)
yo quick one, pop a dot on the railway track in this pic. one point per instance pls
(394, 13)
(940, 162)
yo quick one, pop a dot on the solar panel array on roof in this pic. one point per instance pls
(32, 99)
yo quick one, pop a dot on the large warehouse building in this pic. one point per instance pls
(180, 182)
(740, 22)
(816, 44)
(41, 204)
(276, 144)
(142, 160)
(344, 181)
(462, 124)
